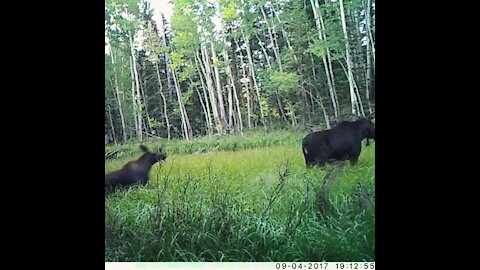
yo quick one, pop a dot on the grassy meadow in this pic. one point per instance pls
(245, 198)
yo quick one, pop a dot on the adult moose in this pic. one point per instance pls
(134, 172)
(342, 142)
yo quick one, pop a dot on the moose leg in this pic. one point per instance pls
(310, 162)
(355, 154)
(353, 161)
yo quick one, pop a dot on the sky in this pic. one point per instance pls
(166, 7)
(160, 6)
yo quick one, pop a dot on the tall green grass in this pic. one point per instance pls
(205, 144)
(257, 203)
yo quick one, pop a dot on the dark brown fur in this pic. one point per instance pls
(134, 172)
(342, 142)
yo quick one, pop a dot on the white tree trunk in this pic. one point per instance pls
(316, 14)
(210, 87)
(147, 124)
(284, 33)
(330, 68)
(207, 123)
(263, 50)
(228, 71)
(221, 105)
(290, 47)
(252, 71)
(368, 75)
(201, 73)
(111, 125)
(117, 94)
(274, 46)
(163, 42)
(353, 96)
(239, 113)
(369, 28)
(230, 104)
(279, 103)
(319, 101)
(134, 102)
(204, 108)
(245, 81)
(183, 113)
(165, 111)
(358, 103)
(368, 79)
(138, 95)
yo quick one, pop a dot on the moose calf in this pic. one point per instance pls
(134, 172)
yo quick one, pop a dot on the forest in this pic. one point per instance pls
(227, 66)
(225, 91)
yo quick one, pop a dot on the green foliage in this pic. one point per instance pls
(229, 12)
(153, 123)
(288, 60)
(186, 95)
(319, 47)
(186, 34)
(284, 81)
(187, 71)
(178, 59)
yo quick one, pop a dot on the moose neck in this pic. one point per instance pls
(361, 128)
(145, 159)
